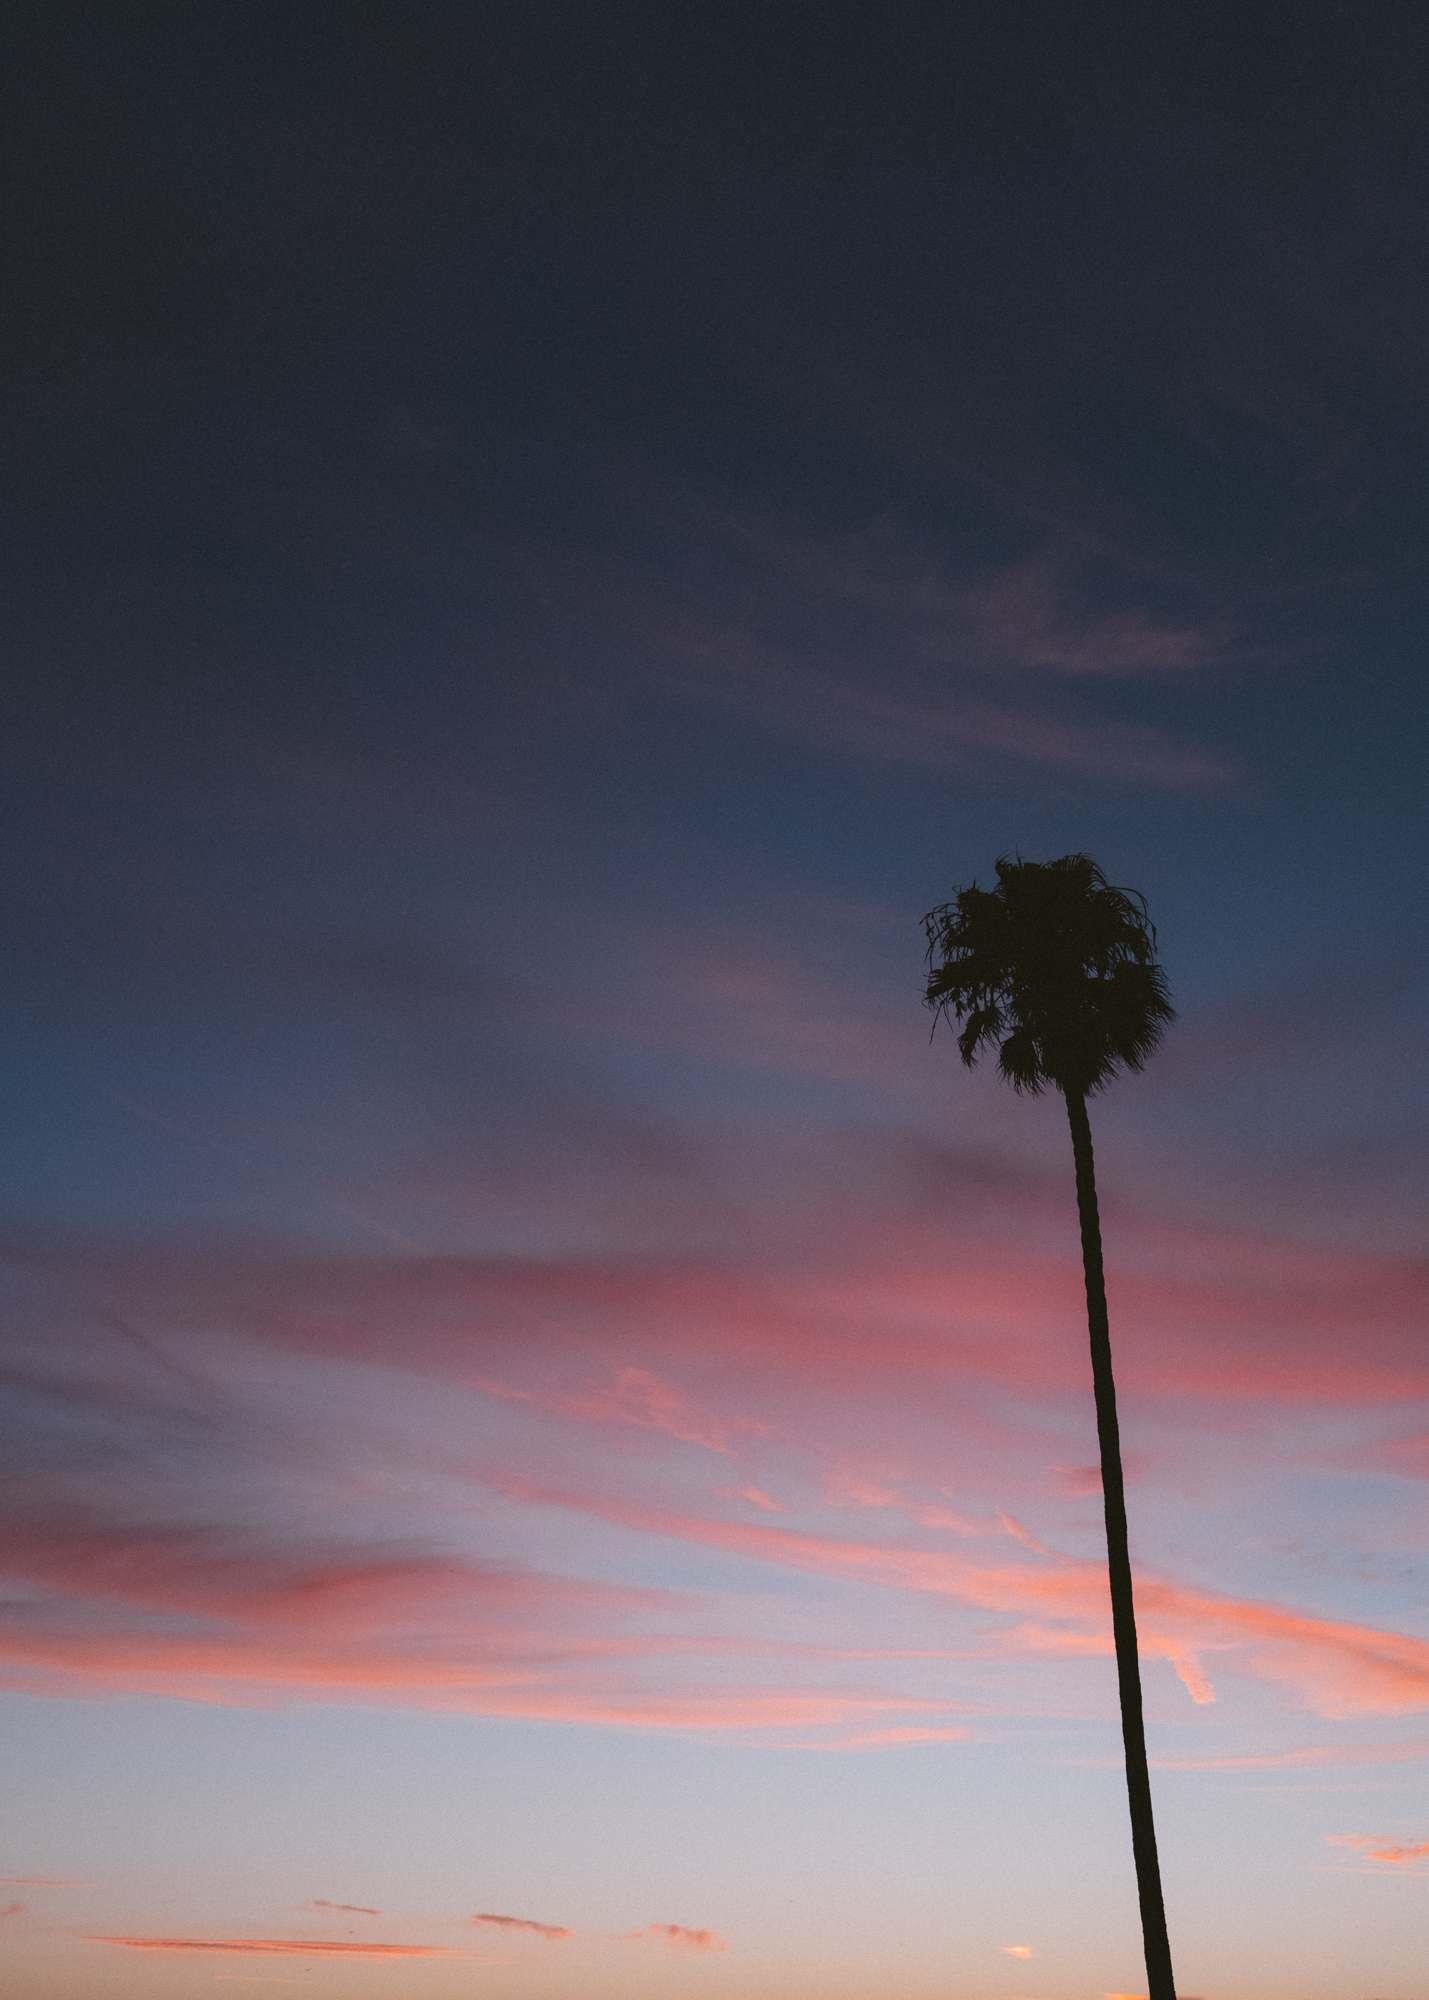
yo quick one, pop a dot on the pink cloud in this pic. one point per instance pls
(945, 1518)
(233, 1669)
(348, 1909)
(899, 1299)
(1335, 1666)
(883, 1739)
(1079, 1481)
(681, 1937)
(1015, 1529)
(1312, 1756)
(266, 1619)
(754, 1496)
(13, 1909)
(281, 1947)
(552, 1933)
(639, 1400)
(320, 1623)
(338, 1593)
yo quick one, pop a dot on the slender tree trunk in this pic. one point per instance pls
(1161, 1982)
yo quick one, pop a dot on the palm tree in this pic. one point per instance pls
(1057, 969)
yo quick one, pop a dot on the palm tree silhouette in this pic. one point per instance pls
(1057, 969)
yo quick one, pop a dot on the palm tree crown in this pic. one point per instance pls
(1056, 967)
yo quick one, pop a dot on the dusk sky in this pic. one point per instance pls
(548, 1440)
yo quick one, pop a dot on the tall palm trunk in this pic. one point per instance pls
(1161, 1982)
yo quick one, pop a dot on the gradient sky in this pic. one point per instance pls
(548, 1436)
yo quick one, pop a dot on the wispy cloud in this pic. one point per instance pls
(1188, 1297)
(882, 1739)
(348, 1909)
(950, 733)
(635, 1399)
(1030, 614)
(753, 1496)
(681, 1937)
(1334, 1666)
(1039, 612)
(1390, 1853)
(245, 1613)
(1304, 1757)
(552, 1933)
(1078, 1481)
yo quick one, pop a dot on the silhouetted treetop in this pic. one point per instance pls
(1056, 967)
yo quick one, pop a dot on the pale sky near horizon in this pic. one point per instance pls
(548, 1444)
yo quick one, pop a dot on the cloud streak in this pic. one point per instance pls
(1303, 1757)
(680, 1937)
(1335, 1666)
(941, 733)
(232, 1618)
(552, 1933)
(1328, 1326)
(1413, 1854)
(635, 1399)
(279, 1947)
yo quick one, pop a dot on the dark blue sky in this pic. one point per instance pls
(530, 469)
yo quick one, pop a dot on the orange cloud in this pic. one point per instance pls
(285, 1947)
(1374, 1847)
(551, 1932)
(682, 1938)
(1018, 1950)
(1188, 1671)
